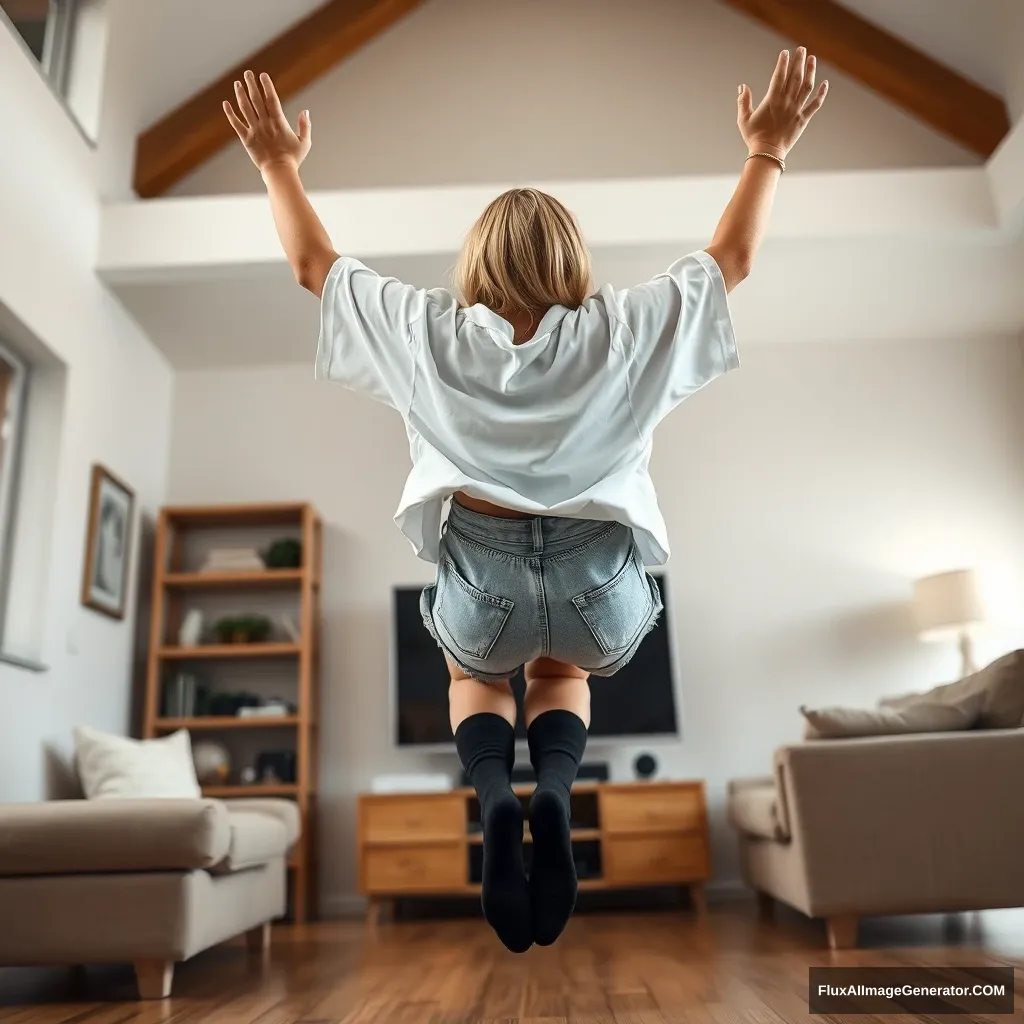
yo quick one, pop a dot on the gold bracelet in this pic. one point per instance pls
(770, 156)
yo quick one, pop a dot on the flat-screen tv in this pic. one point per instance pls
(638, 701)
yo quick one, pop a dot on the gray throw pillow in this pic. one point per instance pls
(995, 694)
(844, 723)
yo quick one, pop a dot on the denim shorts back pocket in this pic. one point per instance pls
(619, 610)
(473, 620)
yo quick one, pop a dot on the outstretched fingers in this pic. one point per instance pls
(777, 86)
(797, 74)
(245, 107)
(816, 101)
(241, 128)
(255, 95)
(812, 70)
(273, 101)
(745, 103)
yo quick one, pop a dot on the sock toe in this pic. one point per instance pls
(553, 884)
(505, 890)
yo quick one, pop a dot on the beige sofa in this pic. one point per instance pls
(851, 828)
(146, 882)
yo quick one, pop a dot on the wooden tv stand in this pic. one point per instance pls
(625, 835)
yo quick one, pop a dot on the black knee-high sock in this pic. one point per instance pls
(557, 740)
(486, 746)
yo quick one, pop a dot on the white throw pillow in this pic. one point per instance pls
(115, 766)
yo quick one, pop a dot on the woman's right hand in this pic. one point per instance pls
(262, 127)
(788, 106)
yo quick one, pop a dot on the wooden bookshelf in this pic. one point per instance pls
(203, 651)
(226, 722)
(176, 585)
(228, 580)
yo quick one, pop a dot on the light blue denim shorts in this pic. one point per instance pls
(510, 590)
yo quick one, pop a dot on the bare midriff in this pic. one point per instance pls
(487, 509)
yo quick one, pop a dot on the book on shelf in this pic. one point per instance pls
(181, 696)
(272, 709)
(233, 560)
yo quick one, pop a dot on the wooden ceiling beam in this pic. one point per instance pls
(26, 10)
(179, 142)
(925, 88)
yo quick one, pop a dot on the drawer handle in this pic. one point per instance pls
(414, 867)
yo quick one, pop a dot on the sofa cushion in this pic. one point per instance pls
(78, 836)
(119, 767)
(285, 811)
(754, 810)
(255, 838)
(997, 690)
(840, 723)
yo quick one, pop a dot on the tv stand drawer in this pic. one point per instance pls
(652, 808)
(413, 819)
(656, 860)
(394, 870)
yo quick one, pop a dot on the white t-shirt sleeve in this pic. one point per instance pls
(365, 332)
(682, 336)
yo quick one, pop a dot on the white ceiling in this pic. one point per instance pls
(968, 35)
(802, 290)
(177, 60)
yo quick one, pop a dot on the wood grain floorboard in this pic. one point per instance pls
(661, 968)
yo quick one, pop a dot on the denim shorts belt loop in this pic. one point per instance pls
(511, 590)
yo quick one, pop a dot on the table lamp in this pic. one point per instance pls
(950, 604)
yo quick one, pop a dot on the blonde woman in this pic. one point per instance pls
(530, 400)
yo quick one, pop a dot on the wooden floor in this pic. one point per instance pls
(659, 967)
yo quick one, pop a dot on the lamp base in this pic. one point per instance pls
(968, 668)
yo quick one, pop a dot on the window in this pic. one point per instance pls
(45, 27)
(13, 376)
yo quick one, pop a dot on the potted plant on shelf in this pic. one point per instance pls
(284, 554)
(243, 629)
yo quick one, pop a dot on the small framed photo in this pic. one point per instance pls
(108, 544)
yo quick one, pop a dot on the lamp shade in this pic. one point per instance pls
(948, 603)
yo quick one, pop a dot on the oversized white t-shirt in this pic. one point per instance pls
(558, 425)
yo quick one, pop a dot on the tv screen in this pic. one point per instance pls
(639, 700)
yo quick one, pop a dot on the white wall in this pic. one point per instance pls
(802, 494)
(1013, 58)
(109, 393)
(466, 91)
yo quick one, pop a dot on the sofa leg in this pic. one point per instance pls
(258, 938)
(842, 931)
(154, 978)
(765, 906)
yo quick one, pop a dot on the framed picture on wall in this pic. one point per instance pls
(107, 544)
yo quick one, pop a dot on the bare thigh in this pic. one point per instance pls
(468, 696)
(553, 685)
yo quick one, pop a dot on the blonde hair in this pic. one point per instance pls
(524, 254)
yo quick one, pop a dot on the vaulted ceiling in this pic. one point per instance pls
(886, 229)
(920, 61)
